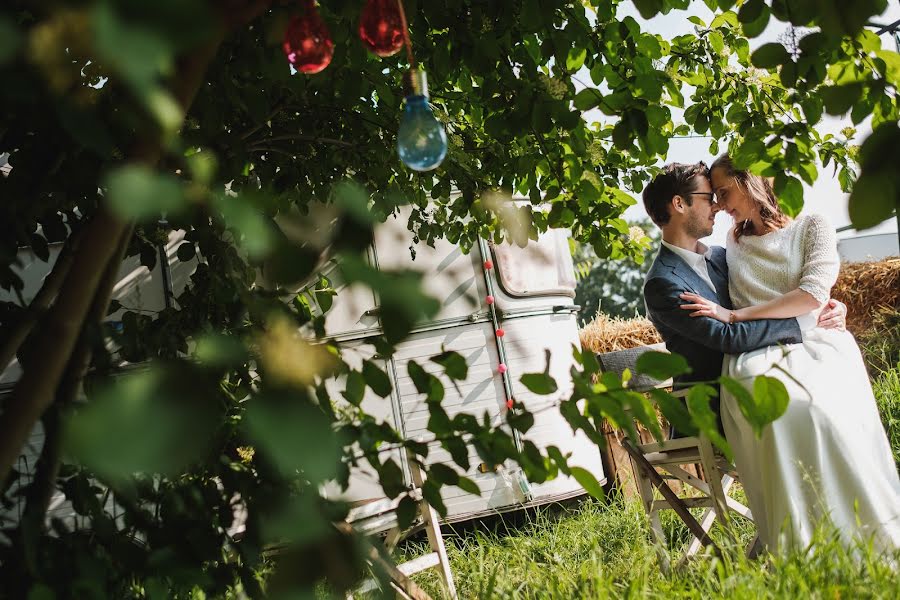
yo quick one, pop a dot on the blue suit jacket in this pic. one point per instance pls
(703, 341)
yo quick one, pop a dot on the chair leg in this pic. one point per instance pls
(433, 529)
(675, 503)
(711, 471)
(645, 489)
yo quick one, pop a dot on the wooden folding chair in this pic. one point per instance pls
(379, 517)
(656, 464)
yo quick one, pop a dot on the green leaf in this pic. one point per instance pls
(840, 98)
(355, 388)
(575, 59)
(698, 403)
(587, 98)
(662, 365)
(418, 375)
(432, 494)
(136, 192)
(872, 201)
(458, 451)
(352, 198)
(256, 232)
(812, 109)
(296, 436)
(726, 18)
(186, 251)
(443, 474)
(675, 411)
(376, 379)
(587, 480)
(154, 421)
(407, 511)
(557, 457)
(220, 350)
(391, 478)
(539, 383)
(789, 191)
(521, 421)
(716, 41)
(467, 485)
(892, 66)
(757, 26)
(771, 399)
(769, 56)
(454, 364)
(742, 395)
(750, 11)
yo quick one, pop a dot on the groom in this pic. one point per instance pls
(681, 202)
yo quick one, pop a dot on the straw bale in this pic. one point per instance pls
(868, 288)
(607, 334)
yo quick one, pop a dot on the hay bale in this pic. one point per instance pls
(868, 289)
(607, 334)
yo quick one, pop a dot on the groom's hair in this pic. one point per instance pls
(676, 179)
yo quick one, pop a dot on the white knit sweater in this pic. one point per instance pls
(801, 255)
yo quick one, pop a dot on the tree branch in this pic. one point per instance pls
(41, 302)
(40, 492)
(62, 325)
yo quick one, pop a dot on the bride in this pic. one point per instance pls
(827, 459)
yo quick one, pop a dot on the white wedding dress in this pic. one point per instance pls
(827, 458)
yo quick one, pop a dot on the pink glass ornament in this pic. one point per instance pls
(501, 368)
(489, 300)
(381, 27)
(307, 42)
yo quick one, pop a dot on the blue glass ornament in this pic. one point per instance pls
(421, 139)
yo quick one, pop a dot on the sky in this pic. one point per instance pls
(825, 195)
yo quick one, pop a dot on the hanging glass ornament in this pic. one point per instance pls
(381, 27)
(307, 42)
(421, 139)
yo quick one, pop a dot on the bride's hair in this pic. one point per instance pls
(759, 190)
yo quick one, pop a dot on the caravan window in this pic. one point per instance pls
(540, 268)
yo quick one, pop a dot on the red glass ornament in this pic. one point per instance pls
(509, 404)
(501, 368)
(488, 265)
(489, 300)
(500, 333)
(381, 27)
(307, 42)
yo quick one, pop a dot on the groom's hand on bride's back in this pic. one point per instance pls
(833, 315)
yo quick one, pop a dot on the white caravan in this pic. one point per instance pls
(532, 291)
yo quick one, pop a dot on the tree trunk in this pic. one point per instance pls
(62, 325)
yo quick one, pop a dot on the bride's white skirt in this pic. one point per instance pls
(827, 457)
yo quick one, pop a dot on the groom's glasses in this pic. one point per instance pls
(709, 196)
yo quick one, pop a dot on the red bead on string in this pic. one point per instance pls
(307, 42)
(381, 27)
(488, 265)
(500, 333)
(489, 300)
(501, 368)
(509, 404)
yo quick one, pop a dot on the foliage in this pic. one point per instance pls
(116, 113)
(887, 396)
(603, 550)
(615, 287)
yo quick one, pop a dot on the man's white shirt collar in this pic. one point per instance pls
(693, 259)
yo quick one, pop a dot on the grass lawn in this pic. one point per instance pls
(593, 549)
